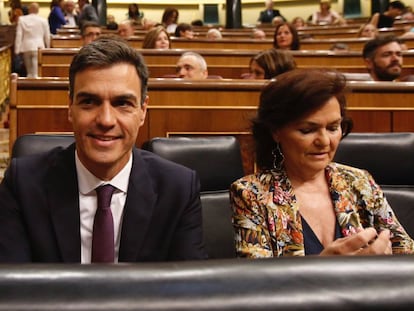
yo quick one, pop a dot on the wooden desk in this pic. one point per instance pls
(208, 107)
(228, 63)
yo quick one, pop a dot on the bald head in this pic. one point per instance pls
(33, 8)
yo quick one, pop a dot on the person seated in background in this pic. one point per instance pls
(170, 19)
(386, 19)
(367, 31)
(383, 58)
(277, 20)
(339, 47)
(90, 31)
(52, 203)
(258, 34)
(270, 63)
(184, 30)
(197, 22)
(298, 22)
(111, 23)
(192, 65)
(134, 15)
(326, 16)
(286, 37)
(266, 16)
(125, 29)
(157, 38)
(300, 202)
(214, 34)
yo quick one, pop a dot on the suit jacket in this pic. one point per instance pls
(266, 214)
(39, 210)
(88, 13)
(32, 32)
(264, 17)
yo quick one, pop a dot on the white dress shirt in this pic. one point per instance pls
(88, 204)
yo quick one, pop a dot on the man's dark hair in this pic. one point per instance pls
(88, 24)
(372, 45)
(182, 27)
(105, 52)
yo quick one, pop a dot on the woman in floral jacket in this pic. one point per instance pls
(300, 202)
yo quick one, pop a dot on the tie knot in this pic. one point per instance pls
(104, 194)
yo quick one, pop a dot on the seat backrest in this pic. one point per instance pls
(29, 144)
(389, 157)
(217, 159)
(217, 226)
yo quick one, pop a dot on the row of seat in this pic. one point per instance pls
(389, 157)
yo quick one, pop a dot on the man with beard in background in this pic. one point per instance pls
(383, 58)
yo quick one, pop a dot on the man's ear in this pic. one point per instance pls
(144, 107)
(368, 63)
(70, 110)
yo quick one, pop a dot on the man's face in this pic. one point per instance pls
(125, 30)
(106, 113)
(91, 34)
(189, 68)
(386, 64)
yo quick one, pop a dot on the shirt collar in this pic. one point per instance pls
(88, 182)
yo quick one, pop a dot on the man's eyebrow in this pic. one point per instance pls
(126, 97)
(117, 97)
(86, 94)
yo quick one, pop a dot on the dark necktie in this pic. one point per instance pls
(103, 227)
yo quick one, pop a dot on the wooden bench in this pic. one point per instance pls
(209, 107)
(54, 62)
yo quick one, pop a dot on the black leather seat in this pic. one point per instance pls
(389, 158)
(217, 159)
(35, 143)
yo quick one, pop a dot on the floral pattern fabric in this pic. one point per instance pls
(267, 221)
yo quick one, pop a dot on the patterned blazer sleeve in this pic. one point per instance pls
(249, 220)
(385, 218)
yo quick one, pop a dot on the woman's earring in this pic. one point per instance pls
(278, 158)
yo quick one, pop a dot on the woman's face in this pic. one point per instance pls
(162, 41)
(284, 37)
(172, 19)
(309, 144)
(369, 31)
(256, 72)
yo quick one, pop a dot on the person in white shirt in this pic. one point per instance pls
(70, 14)
(32, 33)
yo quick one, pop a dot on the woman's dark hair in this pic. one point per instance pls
(274, 62)
(168, 12)
(54, 3)
(133, 11)
(293, 95)
(295, 36)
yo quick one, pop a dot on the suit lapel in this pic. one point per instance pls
(138, 209)
(63, 197)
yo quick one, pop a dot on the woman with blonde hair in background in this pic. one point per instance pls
(157, 38)
(269, 63)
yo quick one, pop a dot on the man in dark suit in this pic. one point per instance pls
(48, 202)
(267, 15)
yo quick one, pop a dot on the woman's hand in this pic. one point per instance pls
(364, 242)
